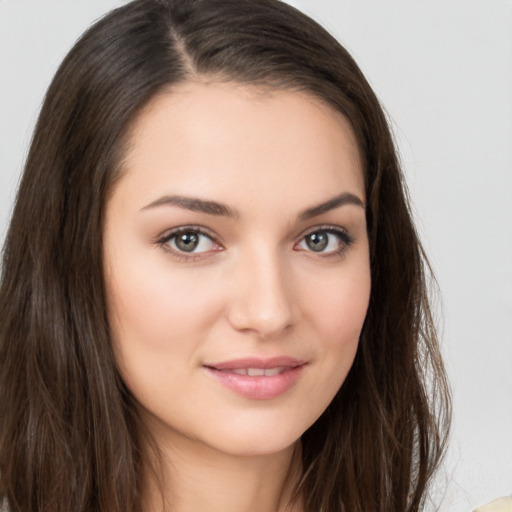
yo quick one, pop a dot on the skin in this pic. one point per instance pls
(253, 287)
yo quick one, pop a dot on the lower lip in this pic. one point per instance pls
(258, 387)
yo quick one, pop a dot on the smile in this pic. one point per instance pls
(258, 379)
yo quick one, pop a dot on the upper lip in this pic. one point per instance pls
(257, 362)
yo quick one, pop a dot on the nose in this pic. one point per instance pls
(262, 301)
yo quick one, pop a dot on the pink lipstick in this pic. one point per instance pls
(256, 378)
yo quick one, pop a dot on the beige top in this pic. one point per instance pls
(500, 505)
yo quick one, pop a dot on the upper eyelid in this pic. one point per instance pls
(323, 227)
(169, 233)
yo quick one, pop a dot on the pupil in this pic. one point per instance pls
(317, 241)
(187, 242)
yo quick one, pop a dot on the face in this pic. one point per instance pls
(237, 266)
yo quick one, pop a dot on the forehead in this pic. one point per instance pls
(219, 138)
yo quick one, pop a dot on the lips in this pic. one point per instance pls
(258, 379)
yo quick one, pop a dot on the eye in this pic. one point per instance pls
(188, 241)
(326, 241)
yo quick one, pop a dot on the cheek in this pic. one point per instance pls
(339, 316)
(159, 320)
(338, 306)
(151, 304)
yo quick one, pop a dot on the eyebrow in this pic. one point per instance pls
(195, 205)
(219, 209)
(331, 204)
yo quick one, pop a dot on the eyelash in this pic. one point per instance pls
(344, 238)
(163, 242)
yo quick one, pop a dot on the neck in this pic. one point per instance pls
(196, 477)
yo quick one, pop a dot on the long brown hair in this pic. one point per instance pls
(69, 432)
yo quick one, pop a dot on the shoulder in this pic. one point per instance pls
(500, 505)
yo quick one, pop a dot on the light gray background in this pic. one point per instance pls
(444, 72)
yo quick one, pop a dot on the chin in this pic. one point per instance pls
(258, 436)
(256, 446)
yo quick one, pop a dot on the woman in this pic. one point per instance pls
(213, 296)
